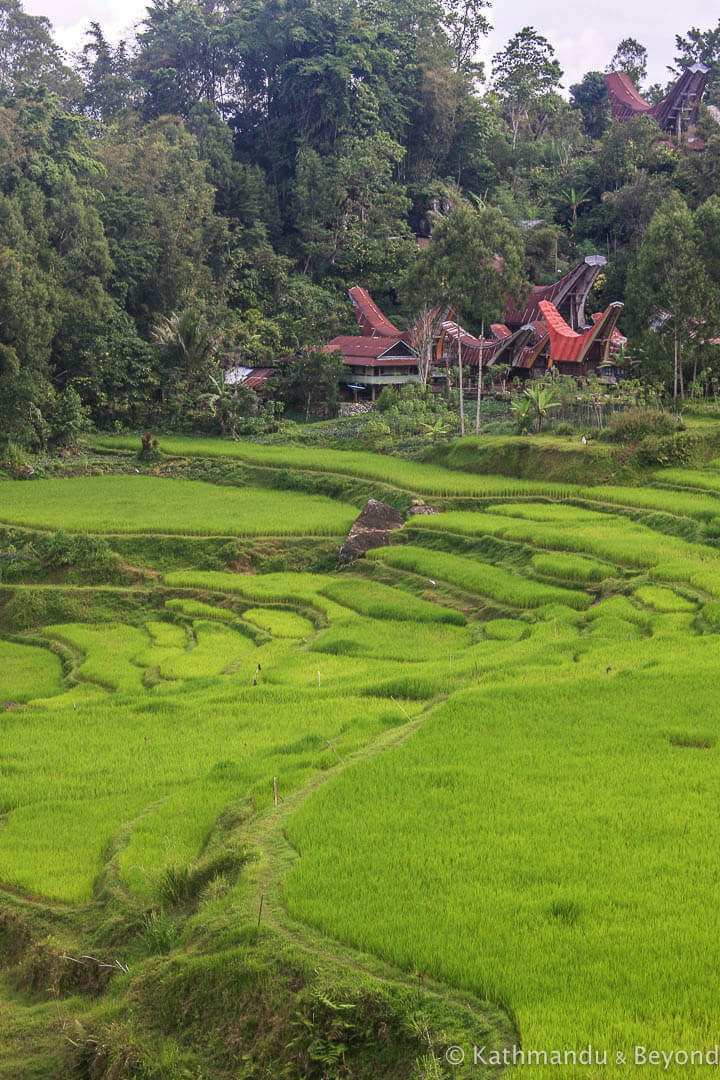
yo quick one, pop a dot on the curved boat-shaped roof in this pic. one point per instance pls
(568, 294)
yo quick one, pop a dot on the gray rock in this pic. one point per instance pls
(372, 529)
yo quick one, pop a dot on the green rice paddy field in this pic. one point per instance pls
(541, 671)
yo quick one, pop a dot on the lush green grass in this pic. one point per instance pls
(611, 537)
(78, 773)
(425, 479)
(478, 577)
(217, 649)
(109, 649)
(409, 475)
(150, 504)
(702, 479)
(303, 590)
(505, 630)
(545, 838)
(197, 609)
(27, 671)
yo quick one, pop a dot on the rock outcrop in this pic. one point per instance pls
(372, 529)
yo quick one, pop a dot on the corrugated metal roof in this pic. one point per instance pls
(372, 350)
(259, 376)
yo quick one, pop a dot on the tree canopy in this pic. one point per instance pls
(239, 168)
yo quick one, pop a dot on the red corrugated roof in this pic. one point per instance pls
(259, 376)
(372, 350)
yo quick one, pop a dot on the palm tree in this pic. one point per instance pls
(187, 339)
(575, 199)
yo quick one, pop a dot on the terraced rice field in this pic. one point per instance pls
(543, 832)
(151, 504)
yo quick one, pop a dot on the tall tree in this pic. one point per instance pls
(702, 46)
(466, 23)
(30, 57)
(590, 96)
(668, 288)
(525, 73)
(106, 72)
(474, 262)
(631, 59)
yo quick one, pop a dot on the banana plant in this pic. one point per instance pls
(541, 400)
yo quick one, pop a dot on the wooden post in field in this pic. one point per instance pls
(460, 374)
(260, 911)
(479, 385)
(275, 793)
(318, 679)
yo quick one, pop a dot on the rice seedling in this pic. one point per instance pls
(616, 539)
(505, 629)
(384, 602)
(109, 649)
(477, 577)
(302, 590)
(454, 877)
(73, 777)
(391, 640)
(546, 828)
(711, 612)
(197, 609)
(28, 671)
(702, 479)
(571, 568)
(425, 479)
(151, 504)
(279, 623)
(217, 648)
(661, 599)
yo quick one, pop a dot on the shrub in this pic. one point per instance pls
(68, 419)
(634, 425)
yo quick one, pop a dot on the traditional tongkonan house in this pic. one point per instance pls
(548, 331)
(569, 295)
(572, 353)
(678, 110)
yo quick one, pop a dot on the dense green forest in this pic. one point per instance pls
(204, 194)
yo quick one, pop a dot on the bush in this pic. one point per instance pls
(68, 419)
(634, 425)
(78, 551)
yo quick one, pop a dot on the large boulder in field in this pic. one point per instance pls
(371, 529)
